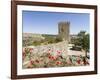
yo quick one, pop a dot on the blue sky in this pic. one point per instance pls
(47, 22)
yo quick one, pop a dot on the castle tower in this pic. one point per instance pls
(63, 30)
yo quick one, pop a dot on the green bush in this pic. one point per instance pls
(36, 43)
(58, 40)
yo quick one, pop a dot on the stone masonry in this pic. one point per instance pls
(64, 30)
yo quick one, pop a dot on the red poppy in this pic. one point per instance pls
(58, 52)
(58, 62)
(49, 57)
(79, 61)
(31, 62)
(52, 57)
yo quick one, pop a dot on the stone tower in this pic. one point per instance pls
(63, 30)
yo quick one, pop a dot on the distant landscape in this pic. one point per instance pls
(39, 39)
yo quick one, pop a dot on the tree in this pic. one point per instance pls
(58, 40)
(83, 41)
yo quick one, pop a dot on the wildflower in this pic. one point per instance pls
(31, 50)
(49, 57)
(58, 62)
(79, 61)
(31, 62)
(58, 53)
(52, 57)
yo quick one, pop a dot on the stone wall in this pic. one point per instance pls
(64, 30)
(52, 48)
